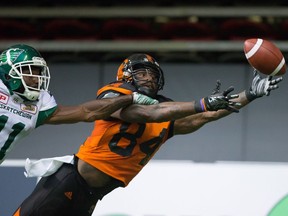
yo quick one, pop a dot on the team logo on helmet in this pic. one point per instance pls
(145, 59)
(10, 55)
(150, 59)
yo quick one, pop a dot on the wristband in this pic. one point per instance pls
(200, 106)
(250, 96)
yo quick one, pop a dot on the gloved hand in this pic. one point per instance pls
(143, 99)
(262, 86)
(218, 100)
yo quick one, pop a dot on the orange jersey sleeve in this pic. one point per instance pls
(121, 149)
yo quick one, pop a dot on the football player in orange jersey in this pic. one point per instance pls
(121, 145)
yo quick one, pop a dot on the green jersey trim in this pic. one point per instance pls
(43, 115)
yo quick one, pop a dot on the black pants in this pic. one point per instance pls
(65, 193)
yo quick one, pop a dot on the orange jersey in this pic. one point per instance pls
(121, 149)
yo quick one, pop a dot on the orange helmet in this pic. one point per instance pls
(138, 61)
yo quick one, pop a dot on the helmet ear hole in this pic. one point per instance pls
(7, 77)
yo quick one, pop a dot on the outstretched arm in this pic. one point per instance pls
(156, 113)
(175, 110)
(259, 87)
(192, 123)
(96, 109)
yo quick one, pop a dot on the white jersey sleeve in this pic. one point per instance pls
(19, 117)
(47, 101)
(47, 107)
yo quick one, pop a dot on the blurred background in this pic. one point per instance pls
(174, 31)
(195, 42)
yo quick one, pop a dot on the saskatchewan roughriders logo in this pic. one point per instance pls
(10, 56)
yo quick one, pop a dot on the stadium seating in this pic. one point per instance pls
(69, 29)
(241, 29)
(184, 30)
(13, 29)
(126, 29)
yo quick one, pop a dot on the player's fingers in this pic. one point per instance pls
(272, 87)
(235, 104)
(217, 88)
(275, 81)
(227, 91)
(218, 84)
(232, 96)
(255, 72)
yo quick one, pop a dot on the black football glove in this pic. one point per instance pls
(262, 86)
(218, 100)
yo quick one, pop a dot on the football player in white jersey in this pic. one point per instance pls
(25, 102)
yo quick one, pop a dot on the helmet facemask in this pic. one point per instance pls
(148, 86)
(26, 78)
(134, 70)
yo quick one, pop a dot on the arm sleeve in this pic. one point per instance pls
(43, 115)
(48, 106)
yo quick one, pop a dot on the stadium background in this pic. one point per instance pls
(195, 43)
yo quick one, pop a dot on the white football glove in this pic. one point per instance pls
(143, 99)
(262, 86)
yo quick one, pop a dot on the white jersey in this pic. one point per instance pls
(19, 117)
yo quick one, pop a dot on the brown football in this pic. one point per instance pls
(265, 56)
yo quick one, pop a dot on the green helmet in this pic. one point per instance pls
(18, 64)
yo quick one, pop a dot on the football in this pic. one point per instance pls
(265, 56)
